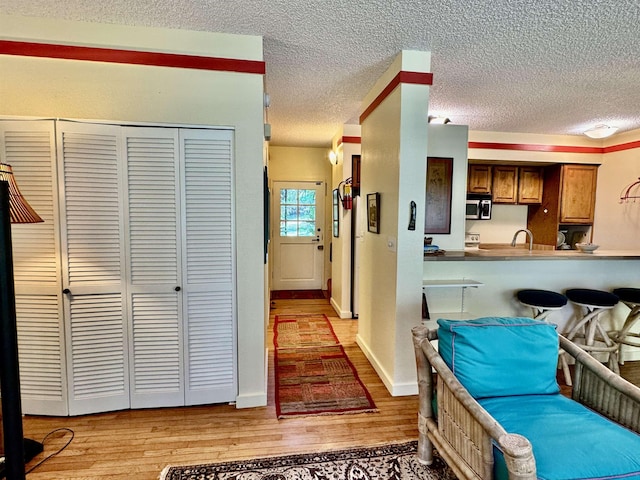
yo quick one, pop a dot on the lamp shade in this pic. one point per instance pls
(19, 209)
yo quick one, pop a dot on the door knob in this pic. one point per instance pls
(66, 291)
(177, 289)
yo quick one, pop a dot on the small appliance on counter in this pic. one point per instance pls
(471, 241)
(478, 207)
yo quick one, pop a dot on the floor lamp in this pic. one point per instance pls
(13, 209)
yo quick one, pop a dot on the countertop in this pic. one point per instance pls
(495, 252)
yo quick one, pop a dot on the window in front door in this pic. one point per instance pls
(297, 212)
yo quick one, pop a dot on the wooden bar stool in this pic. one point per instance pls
(592, 303)
(543, 303)
(631, 298)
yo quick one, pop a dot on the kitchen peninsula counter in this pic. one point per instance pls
(518, 253)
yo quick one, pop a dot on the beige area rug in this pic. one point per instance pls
(384, 462)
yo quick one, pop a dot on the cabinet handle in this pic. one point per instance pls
(66, 291)
(177, 289)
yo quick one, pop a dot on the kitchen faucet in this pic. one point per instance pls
(526, 231)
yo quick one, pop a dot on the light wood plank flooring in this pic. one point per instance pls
(138, 444)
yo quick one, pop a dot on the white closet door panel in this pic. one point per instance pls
(92, 237)
(157, 351)
(212, 376)
(29, 146)
(100, 380)
(41, 355)
(209, 263)
(153, 205)
(90, 158)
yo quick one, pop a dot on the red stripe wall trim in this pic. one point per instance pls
(419, 78)
(621, 147)
(554, 148)
(346, 139)
(535, 147)
(132, 57)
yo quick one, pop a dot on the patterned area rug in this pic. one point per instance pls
(313, 374)
(387, 462)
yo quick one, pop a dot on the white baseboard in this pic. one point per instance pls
(396, 390)
(341, 313)
(256, 399)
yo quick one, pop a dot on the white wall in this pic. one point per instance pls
(43, 87)
(616, 224)
(394, 151)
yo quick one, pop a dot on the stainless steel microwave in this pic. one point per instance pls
(478, 207)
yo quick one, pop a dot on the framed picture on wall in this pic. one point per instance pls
(437, 215)
(373, 212)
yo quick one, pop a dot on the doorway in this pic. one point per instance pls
(298, 235)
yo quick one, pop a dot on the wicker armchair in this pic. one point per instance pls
(464, 433)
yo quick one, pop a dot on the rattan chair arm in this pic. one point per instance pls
(597, 387)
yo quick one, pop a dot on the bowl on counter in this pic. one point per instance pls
(587, 247)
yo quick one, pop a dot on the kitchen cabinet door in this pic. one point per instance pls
(578, 196)
(530, 185)
(505, 184)
(479, 179)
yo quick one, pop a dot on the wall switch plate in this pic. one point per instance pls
(391, 244)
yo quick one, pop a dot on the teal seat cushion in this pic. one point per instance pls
(501, 356)
(570, 442)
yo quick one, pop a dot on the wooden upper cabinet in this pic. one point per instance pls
(578, 193)
(479, 179)
(530, 181)
(505, 184)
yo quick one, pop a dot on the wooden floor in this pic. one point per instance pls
(138, 444)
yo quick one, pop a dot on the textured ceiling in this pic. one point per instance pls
(536, 66)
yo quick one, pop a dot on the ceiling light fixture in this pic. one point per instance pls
(438, 120)
(601, 131)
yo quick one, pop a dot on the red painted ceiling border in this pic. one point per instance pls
(622, 146)
(347, 139)
(535, 147)
(418, 78)
(132, 57)
(554, 148)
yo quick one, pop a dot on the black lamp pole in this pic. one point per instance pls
(9, 370)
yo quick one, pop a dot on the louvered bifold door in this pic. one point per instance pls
(155, 296)
(89, 159)
(29, 146)
(209, 267)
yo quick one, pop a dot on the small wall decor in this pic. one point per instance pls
(437, 218)
(373, 212)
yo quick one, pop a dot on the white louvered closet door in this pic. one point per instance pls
(29, 146)
(93, 267)
(208, 259)
(154, 273)
(209, 268)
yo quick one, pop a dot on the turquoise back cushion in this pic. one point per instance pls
(499, 356)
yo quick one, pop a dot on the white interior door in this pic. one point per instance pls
(298, 236)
